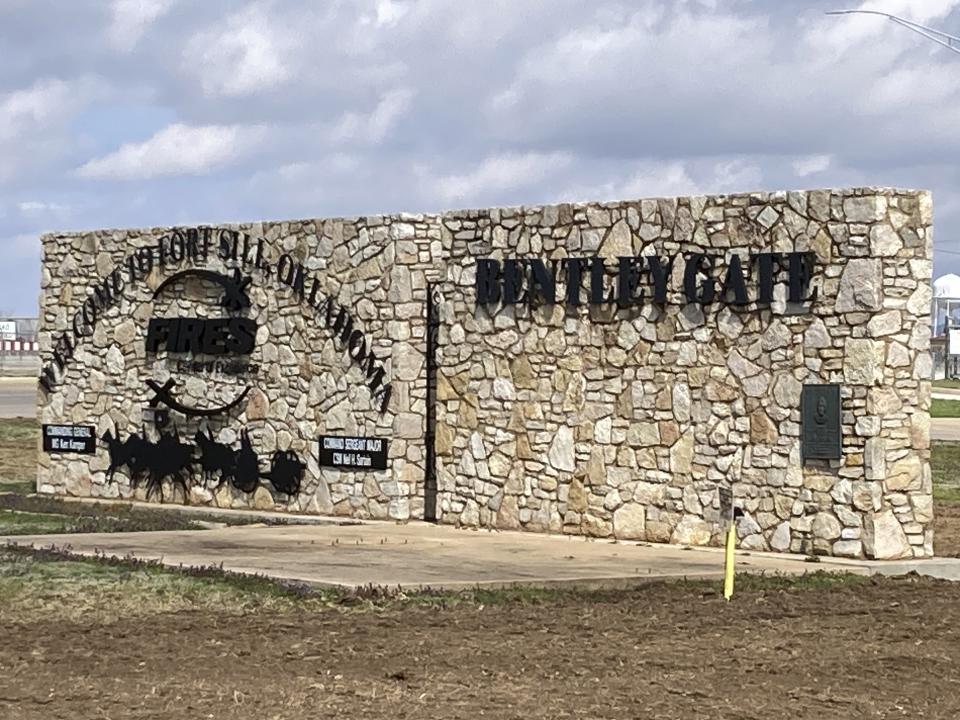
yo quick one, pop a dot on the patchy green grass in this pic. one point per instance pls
(18, 455)
(945, 469)
(951, 383)
(41, 514)
(37, 584)
(22, 513)
(944, 408)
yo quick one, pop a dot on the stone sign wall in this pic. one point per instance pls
(615, 409)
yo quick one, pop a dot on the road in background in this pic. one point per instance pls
(18, 397)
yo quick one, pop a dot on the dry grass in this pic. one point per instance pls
(38, 585)
(18, 455)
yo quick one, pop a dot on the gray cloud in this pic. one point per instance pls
(166, 111)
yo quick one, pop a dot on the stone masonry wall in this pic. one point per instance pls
(306, 384)
(590, 420)
(624, 423)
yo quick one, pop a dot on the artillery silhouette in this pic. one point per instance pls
(169, 458)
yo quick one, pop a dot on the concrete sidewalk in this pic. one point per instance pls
(417, 555)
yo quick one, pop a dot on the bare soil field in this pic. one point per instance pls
(107, 641)
(84, 639)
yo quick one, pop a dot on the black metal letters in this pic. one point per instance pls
(515, 281)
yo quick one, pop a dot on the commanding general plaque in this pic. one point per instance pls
(820, 418)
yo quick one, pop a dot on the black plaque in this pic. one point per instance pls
(70, 439)
(820, 417)
(353, 453)
(726, 505)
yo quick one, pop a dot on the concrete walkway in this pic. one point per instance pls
(417, 554)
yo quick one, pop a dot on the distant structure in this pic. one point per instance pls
(19, 349)
(946, 316)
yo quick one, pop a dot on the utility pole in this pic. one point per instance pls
(950, 42)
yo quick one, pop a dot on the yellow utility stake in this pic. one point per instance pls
(729, 559)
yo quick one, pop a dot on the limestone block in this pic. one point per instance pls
(883, 537)
(780, 540)
(848, 548)
(681, 454)
(561, 453)
(643, 434)
(886, 323)
(861, 286)
(816, 335)
(826, 526)
(629, 522)
(884, 240)
(867, 495)
(919, 301)
(875, 458)
(862, 361)
(262, 499)
(692, 530)
(503, 389)
(577, 497)
(864, 209)
(904, 474)
(681, 402)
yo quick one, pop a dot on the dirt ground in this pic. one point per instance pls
(946, 528)
(868, 648)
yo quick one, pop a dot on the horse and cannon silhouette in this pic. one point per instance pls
(151, 463)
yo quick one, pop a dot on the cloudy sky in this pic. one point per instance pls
(157, 112)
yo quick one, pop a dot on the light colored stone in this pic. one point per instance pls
(848, 548)
(886, 323)
(681, 454)
(407, 361)
(866, 495)
(629, 522)
(861, 286)
(884, 240)
(861, 361)
(875, 458)
(114, 361)
(561, 454)
(883, 537)
(643, 435)
(618, 242)
(826, 526)
(919, 301)
(780, 540)
(905, 474)
(503, 389)
(816, 335)
(865, 209)
(601, 432)
(692, 530)
(262, 499)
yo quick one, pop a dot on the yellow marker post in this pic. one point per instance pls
(728, 516)
(729, 561)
